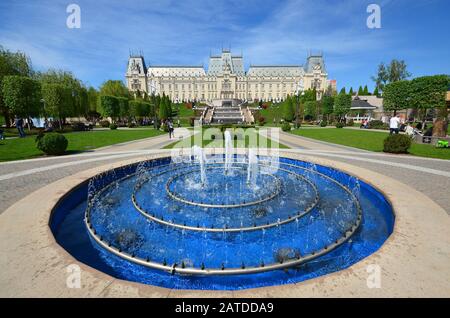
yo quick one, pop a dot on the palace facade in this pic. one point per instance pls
(226, 78)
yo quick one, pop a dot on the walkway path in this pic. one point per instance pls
(20, 178)
(429, 176)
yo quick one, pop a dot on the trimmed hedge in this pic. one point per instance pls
(397, 144)
(52, 143)
(104, 123)
(377, 124)
(323, 123)
(340, 125)
(113, 126)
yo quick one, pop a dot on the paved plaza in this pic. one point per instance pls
(429, 176)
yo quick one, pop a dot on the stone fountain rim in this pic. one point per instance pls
(24, 233)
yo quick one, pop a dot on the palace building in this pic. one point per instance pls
(226, 78)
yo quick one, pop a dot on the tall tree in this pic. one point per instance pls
(351, 93)
(360, 91)
(342, 105)
(394, 72)
(124, 107)
(397, 71)
(342, 91)
(327, 105)
(114, 88)
(429, 92)
(311, 110)
(376, 92)
(397, 96)
(366, 91)
(56, 96)
(382, 77)
(76, 102)
(92, 99)
(288, 109)
(12, 63)
(110, 107)
(22, 96)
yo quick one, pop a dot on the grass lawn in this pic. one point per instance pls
(368, 140)
(184, 114)
(25, 148)
(274, 111)
(252, 140)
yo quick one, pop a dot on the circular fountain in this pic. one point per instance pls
(224, 222)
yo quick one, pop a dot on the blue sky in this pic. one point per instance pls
(178, 32)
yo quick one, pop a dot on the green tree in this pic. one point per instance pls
(394, 72)
(342, 91)
(12, 63)
(124, 107)
(342, 105)
(114, 88)
(311, 110)
(110, 106)
(397, 71)
(327, 105)
(55, 98)
(163, 110)
(139, 109)
(351, 93)
(289, 109)
(22, 96)
(366, 91)
(429, 92)
(376, 92)
(76, 103)
(382, 77)
(309, 95)
(397, 96)
(92, 99)
(360, 91)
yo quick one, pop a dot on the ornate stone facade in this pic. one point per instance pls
(226, 78)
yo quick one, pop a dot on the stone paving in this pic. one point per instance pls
(420, 239)
(429, 176)
(16, 187)
(434, 185)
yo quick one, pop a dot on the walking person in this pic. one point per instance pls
(19, 125)
(394, 124)
(170, 128)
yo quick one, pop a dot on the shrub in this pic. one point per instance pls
(131, 125)
(397, 144)
(350, 123)
(113, 126)
(376, 124)
(78, 126)
(286, 127)
(340, 125)
(52, 143)
(104, 123)
(323, 123)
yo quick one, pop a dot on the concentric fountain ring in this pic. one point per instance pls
(203, 271)
(291, 218)
(177, 197)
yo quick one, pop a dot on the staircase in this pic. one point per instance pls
(227, 114)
